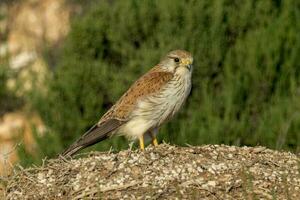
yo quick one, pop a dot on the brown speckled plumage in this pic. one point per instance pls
(147, 84)
(153, 99)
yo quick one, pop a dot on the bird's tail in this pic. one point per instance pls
(95, 134)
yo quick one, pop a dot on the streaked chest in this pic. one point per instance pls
(163, 105)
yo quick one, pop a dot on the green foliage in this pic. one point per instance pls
(246, 80)
(3, 79)
(7, 102)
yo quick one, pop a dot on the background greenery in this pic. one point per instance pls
(8, 100)
(246, 81)
(3, 89)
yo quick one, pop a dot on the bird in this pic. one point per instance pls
(151, 101)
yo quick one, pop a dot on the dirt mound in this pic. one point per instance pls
(165, 172)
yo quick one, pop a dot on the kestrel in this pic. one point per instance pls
(152, 100)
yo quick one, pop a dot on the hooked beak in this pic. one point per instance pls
(189, 67)
(188, 64)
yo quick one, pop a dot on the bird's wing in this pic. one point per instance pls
(94, 135)
(119, 114)
(150, 83)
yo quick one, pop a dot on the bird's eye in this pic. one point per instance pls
(176, 60)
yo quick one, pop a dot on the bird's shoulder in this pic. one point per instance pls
(148, 84)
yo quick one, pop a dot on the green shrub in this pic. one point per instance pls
(3, 78)
(9, 101)
(246, 80)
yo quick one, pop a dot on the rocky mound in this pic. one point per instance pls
(165, 172)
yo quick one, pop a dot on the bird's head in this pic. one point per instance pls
(177, 61)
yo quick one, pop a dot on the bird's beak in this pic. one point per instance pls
(188, 64)
(189, 67)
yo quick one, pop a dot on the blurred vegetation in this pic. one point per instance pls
(8, 100)
(3, 89)
(246, 80)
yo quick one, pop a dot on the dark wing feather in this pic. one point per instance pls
(95, 134)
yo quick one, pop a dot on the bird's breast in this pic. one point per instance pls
(161, 106)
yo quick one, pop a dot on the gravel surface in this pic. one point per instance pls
(164, 172)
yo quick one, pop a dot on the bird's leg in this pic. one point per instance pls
(142, 145)
(153, 136)
(154, 141)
